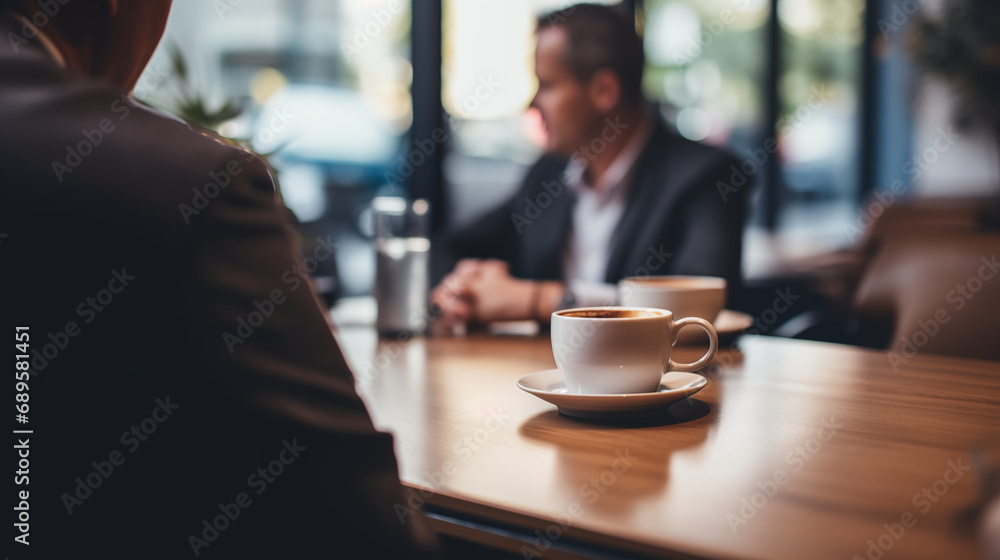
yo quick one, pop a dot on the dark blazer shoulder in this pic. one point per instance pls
(667, 147)
(75, 146)
(546, 168)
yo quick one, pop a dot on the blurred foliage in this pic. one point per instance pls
(963, 47)
(191, 105)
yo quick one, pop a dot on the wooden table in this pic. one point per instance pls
(794, 450)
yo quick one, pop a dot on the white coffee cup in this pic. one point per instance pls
(617, 350)
(686, 296)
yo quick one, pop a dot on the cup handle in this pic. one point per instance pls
(713, 347)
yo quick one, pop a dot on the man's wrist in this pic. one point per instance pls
(549, 296)
(534, 299)
(567, 299)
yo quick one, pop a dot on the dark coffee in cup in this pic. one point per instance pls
(607, 313)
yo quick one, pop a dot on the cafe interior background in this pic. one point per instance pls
(867, 125)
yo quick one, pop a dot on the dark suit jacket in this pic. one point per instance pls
(676, 220)
(181, 370)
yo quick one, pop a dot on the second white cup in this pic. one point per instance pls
(686, 296)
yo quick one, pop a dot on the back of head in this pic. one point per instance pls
(75, 21)
(601, 37)
(110, 40)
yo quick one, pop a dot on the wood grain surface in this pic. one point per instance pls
(794, 450)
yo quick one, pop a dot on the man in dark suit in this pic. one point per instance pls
(617, 194)
(186, 395)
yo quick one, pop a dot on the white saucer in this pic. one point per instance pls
(549, 385)
(728, 323)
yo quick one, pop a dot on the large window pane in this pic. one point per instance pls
(819, 89)
(705, 65)
(322, 84)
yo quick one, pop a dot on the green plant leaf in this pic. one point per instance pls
(178, 62)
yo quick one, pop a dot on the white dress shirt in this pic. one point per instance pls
(598, 209)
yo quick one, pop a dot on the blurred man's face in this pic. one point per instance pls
(564, 101)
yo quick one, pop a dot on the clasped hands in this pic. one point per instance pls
(480, 291)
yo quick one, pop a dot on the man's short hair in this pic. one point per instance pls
(600, 37)
(74, 20)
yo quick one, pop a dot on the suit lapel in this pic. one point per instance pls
(543, 241)
(646, 187)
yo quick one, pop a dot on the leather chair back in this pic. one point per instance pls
(936, 290)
